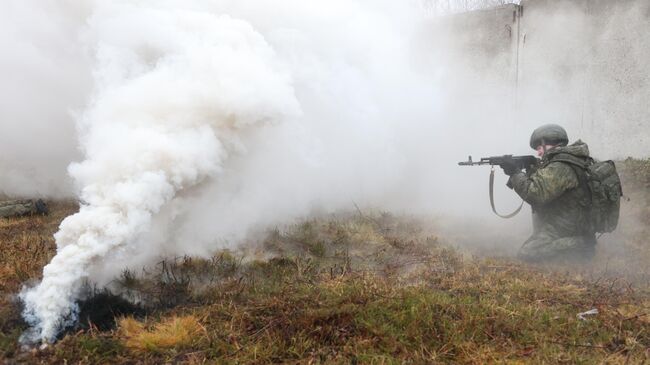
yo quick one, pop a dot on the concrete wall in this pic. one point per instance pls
(584, 64)
(596, 68)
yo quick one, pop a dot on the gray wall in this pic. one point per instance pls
(597, 67)
(581, 63)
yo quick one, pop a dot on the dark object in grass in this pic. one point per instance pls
(102, 308)
(19, 208)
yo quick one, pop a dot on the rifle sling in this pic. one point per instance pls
(492, 200)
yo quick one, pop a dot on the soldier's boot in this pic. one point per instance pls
(542, 247)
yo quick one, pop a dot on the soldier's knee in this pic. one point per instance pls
(531, 251)
(535, 254)
(535, 248)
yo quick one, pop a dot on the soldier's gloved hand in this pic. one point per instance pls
(510, 168)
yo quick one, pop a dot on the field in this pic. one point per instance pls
(357, 287)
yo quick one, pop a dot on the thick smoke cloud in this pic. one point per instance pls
(168, 105)
(194, 122)
(214, 109)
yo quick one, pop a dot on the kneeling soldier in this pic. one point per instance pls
(561, 226)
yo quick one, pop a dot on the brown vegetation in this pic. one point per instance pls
(355, 288)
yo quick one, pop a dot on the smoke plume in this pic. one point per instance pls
(212, 108)
(173, 89)
(195, 121)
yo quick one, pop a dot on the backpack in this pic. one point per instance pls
(603, 185)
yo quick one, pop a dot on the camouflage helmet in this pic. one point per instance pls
(549, 134)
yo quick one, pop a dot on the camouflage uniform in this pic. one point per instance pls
(16, 208)
(559, 202)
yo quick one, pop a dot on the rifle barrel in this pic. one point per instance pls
(472, 163)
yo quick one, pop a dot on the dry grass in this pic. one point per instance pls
(175, 333)
(26, 245)
(356, 288)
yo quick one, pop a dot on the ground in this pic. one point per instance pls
(361, 287)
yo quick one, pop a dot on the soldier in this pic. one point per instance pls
(16, 208)
(559, 201)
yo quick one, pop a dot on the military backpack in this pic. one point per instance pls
(604, 191)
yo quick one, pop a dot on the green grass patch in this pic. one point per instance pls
(358, 288)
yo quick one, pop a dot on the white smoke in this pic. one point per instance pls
(211, 118)
(173, 89)
(208, 118)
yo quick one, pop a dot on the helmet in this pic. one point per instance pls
(549, 134)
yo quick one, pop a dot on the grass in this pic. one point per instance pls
(368, 288)
(479, 313)
(26, 246)
(176, 333)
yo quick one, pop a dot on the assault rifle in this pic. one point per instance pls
(521, 162)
